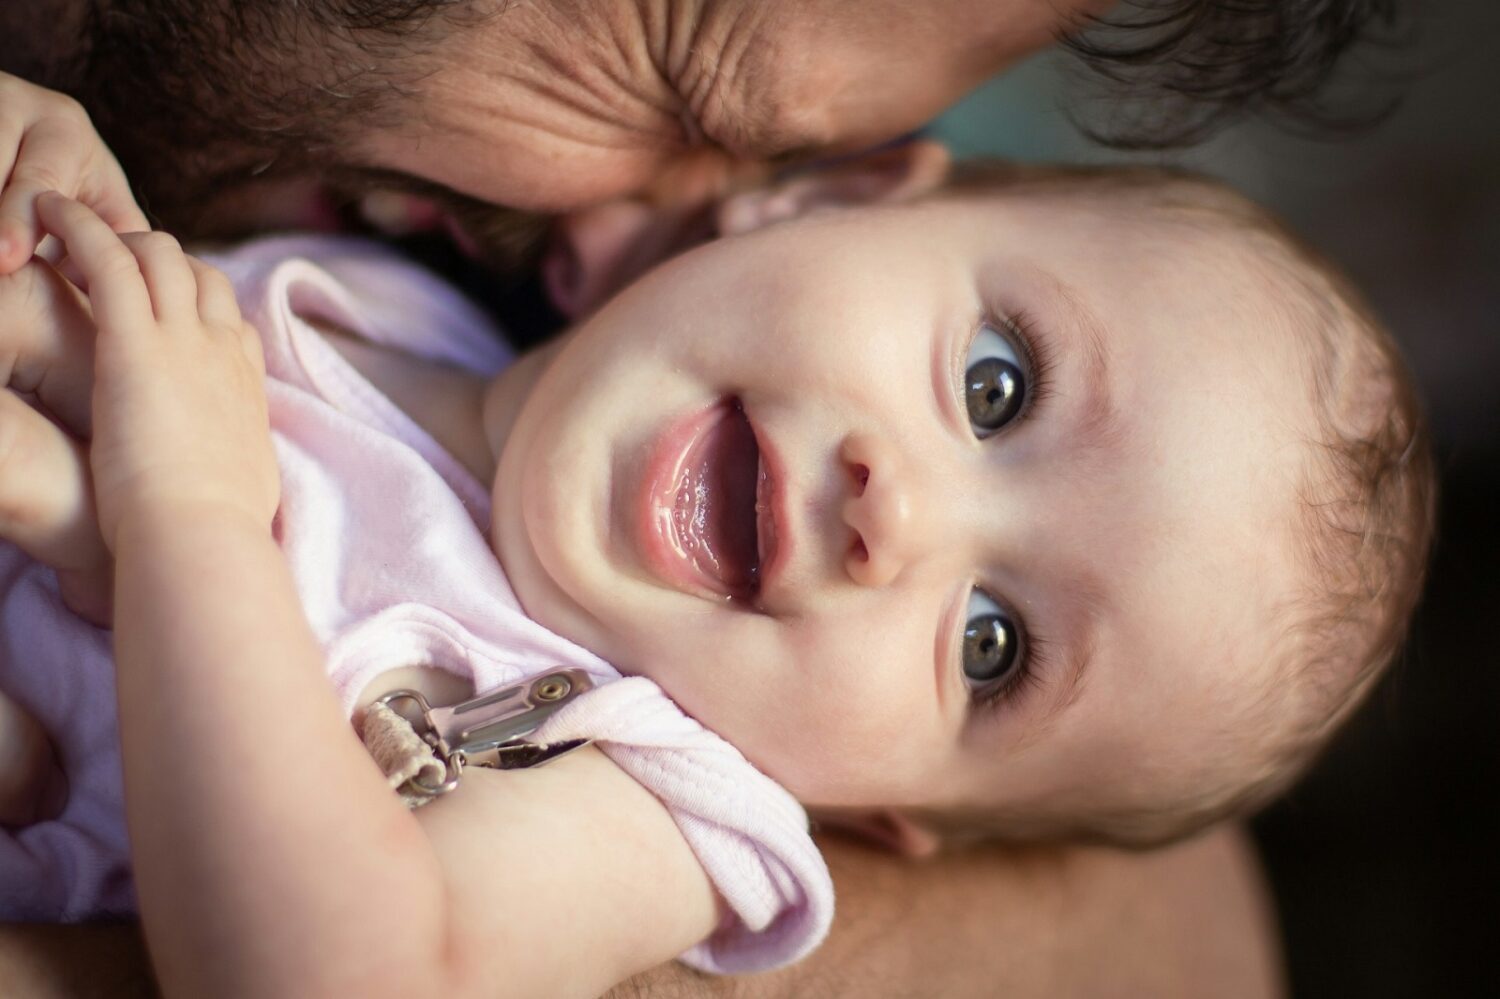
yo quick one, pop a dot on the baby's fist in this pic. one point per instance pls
(181, 425)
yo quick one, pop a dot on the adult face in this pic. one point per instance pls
(552, 106)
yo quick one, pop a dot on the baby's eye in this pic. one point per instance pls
(991, 645)
(994, 381)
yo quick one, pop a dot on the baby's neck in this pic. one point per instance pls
(507, 392)
(445, 401)
(468, 415)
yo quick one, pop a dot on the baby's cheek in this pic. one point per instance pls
(858, 724)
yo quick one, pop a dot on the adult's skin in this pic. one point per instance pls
(554, 106)
(540, 107)
(1071, 923)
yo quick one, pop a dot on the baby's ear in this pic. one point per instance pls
(882, 176)
(896, 832)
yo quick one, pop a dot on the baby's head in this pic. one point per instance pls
(1039, 502)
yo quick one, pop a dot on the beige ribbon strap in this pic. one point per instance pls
(401, 754)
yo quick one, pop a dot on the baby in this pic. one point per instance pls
(1029, 503)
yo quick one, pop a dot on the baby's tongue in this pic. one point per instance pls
(714, 514)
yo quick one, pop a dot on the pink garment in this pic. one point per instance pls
(386, 535)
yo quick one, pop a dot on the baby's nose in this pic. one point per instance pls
(881, 509)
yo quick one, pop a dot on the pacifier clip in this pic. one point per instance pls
(423, 758)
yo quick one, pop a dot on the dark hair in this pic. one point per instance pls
(1181, 69)
(244, 94)
(257, 100)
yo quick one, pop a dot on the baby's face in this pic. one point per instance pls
(971, 501)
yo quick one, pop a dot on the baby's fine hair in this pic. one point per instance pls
(1366, 517)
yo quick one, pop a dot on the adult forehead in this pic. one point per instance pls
(562, 103)
(807, 75)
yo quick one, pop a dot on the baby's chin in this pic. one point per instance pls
(538, 574)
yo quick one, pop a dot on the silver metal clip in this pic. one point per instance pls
(493, 730)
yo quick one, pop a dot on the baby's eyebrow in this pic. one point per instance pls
(1098, 418)
(1077, 663)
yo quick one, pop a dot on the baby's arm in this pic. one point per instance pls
(271, 858)
(47, 143)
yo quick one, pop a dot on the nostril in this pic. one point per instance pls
(861, 476)
(858, 551)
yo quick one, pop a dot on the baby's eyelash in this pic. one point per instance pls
(1040, 362)
(1040, 365)
(1030, 676)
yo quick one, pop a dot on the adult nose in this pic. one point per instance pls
(881, 509)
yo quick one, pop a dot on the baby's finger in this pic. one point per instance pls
(116, 287)
(50, 249)
(169, 276)
(64, 265)
(46, 499)
(105, 189)
(216, 302)
(50, 344)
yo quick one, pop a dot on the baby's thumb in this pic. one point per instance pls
(47, 505)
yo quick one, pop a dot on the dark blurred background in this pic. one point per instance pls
(1382, 860)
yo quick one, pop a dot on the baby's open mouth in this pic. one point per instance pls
(706, 502)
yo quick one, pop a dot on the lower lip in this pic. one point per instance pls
(666, 551)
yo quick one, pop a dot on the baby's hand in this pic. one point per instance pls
(179, 407)
(46, 498)
(47, 143)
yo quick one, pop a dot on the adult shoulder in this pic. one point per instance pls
(1190, 920)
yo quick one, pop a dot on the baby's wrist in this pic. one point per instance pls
(150, 519)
